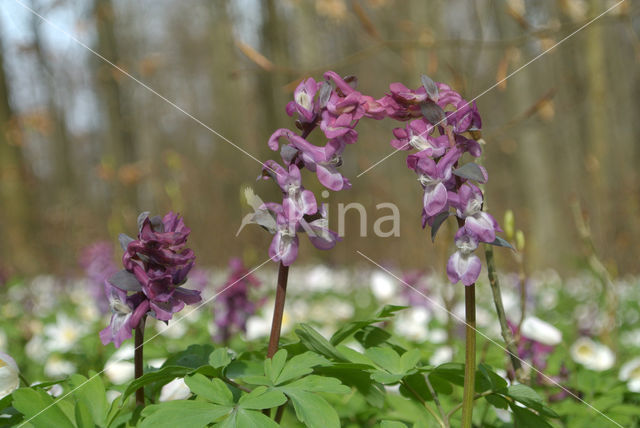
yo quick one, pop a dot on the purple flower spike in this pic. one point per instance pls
(463, 265)
(233, 307)
(156, 264)
(291, 185)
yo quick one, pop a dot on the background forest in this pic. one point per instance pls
(84, 148)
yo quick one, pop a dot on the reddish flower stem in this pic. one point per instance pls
(138, 359)
(278, 310)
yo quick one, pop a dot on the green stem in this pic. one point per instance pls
(497, 300)
(24, 379)
(436, 401)
(138, 359)
(469, 356)
(459, 406)
(424, 403)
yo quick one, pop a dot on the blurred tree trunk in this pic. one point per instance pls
(17, 208)
(119, 129)
(596, 123)
(61, 150)
(274, 47)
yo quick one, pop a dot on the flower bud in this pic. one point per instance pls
(520, 240)
(508, 224)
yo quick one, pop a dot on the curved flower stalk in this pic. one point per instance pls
(335, 107)
(156, 264)
(442, 127)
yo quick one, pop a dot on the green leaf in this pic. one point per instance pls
(525, 418)
(84, 419)
(316, 342)
(92, 393)
(182, 413)
(440, 385)
(389, 311)
(494, 381)
(353, 376)
(313, 383)
(385, 358)
(452, 372)
(253, 419)
(32, 402)
(195, 356)
(497, 400)
(273, 366)
(438, 221)
(213, 390)
(525, 395)
(409, 360)
(262, 398)
(313, 410)
(165, 374)
(392, 424)
(386, 378)
(371, 336)
(219, 358)
(299, 366)
(500, 242)
(471, 171)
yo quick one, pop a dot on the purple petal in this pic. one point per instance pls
(435, 199)
(482, 225)
(330, 177)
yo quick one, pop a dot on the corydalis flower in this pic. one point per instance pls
(233, 306)
(463, 265)
(156, 265)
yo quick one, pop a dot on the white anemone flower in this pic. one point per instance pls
(412, 323)
(9, 375)
(57, 367)
(630, 373)
(443, 354)
(64, 334)
(177, 389)
(540, 331)
(594, 356)
(383, 286)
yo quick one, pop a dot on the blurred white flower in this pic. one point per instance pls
(443, 354)
(630, 338)
(57, 366)
(412, 323)
(119, 372)
(505, 415)
(175, 330)
(119, 369)
(9, 375)
(383, 286)
(319, 278)
(55, 390)
(112, 395)
(437, 336)
(260, 325)
(63, 335)
(156, 363)
(592, 355)
(534, 328)
(177, 389)
(338, 309)
(35, 348)
(630, 373)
